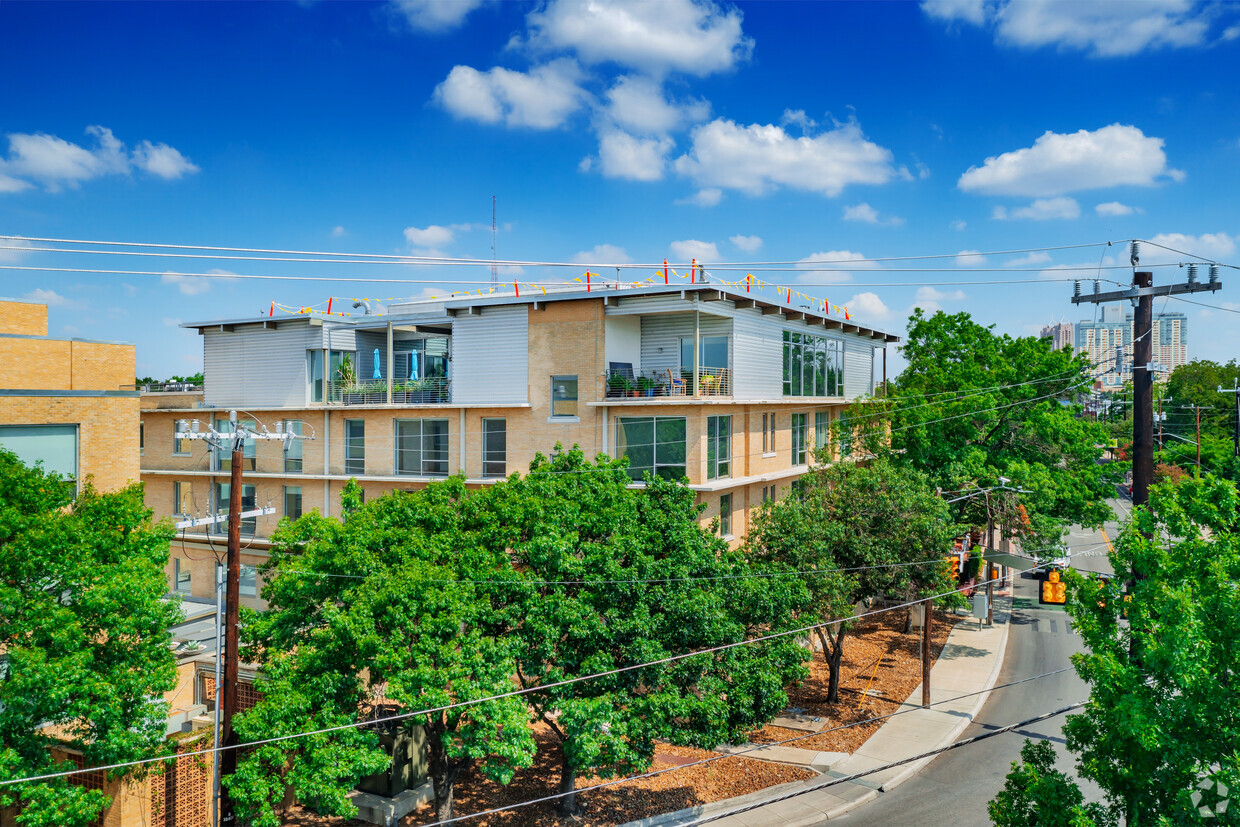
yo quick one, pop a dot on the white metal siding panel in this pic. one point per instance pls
(858, 367)
(490, 355)
(366, 342)
(758, 357)
(256, 367)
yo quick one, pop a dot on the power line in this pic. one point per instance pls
(740, 753)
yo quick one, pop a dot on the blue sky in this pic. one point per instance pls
(616, 132)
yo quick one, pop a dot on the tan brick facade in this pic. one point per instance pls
(91, 374)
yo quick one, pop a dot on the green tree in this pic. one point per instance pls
(1161, 660)
(84, 632)
(1036, 794)
(377, 616)
(620, 576)
(874, 518)
(973, 406)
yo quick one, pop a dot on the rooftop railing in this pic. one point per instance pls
(669, 382)
(435, 390)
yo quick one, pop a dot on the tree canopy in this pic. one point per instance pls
(84, 632)
(881, 519)
(1161, 728)
(973, 406)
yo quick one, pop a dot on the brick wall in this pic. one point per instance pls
(107, 432)
(23, 318)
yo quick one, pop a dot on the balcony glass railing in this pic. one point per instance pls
(669, 382)
(435, 390)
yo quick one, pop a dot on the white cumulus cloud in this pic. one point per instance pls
(970, 258)
(1030, 260)
(696, 37)
(602, 254)
(543, 98)
(1100, 29)
(49, 297)
(1113, 208)
(866, 214)
(54, 163)
(703, 251)
(621, 155)
(435, 16)
(1056, 164)
(429, 237)
(708, 197)
(748, 243)
(832, 266)
(339, 231)
(1042, 209)
(760, 158)
(1214, 246)
(867, 306)
(637, 104)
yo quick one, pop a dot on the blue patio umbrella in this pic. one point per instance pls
(413, 364)
(378, 374)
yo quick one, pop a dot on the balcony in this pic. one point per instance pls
(670, 382)
(434, 390)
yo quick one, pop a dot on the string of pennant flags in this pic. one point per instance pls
(590, 281)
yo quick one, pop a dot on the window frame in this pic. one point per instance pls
(799, 431)
(294, 446)
(249, 502)
(656, 466)
(402, 453)
(355, 448)
(177, 572)
(489, 463)
(574, 378)
(247, 581)
(822, 430)
(180, 447)
(288, 489)
(718, 447)
(725, 515)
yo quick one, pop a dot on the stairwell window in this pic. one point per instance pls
(292, 448)
(822, 429)
(725, 515)
(718, 447)
(355, 446)
(494, 447)
(800, 437)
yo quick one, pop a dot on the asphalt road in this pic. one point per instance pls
(955, 788)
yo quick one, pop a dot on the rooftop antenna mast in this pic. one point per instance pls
(494, 271)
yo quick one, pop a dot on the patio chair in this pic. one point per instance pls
(675, 384)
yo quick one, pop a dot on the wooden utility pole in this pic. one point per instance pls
(984, 569)
(1142, 293)
(927, 612)
(226, 691)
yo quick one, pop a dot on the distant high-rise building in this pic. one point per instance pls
(1108, 343)
(1060, 335)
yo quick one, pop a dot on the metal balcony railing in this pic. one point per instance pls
(668, 382)
(435, 390)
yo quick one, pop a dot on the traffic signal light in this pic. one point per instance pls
(954, 562)
(1054, 590)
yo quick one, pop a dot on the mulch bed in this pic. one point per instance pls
(877, 655)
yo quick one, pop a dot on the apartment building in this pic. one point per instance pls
(1060, 335)
(68, 403)
(1108, 343)
(698, 381)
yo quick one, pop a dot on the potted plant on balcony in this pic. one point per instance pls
(617, 385)
(645, 386)
(419, 391)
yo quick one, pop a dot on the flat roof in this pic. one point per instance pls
(445, 308)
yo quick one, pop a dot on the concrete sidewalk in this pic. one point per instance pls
(970, 662)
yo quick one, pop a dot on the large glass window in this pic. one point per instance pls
(422, 447)
(800, 437)
(355, 446)
(653, 444)
(813, 365)
(292, 447)
(564, 396)
(494, 447)
(822, 428)
(725, 515)
(714, 352)
(249, 502)
(292, 501)
(53, 445)
(221, 458)
(718, 446)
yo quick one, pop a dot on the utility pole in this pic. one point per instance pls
(1142, 295)
(1235, 434)
(927, 612)
(1197, 410)
(225, 710)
